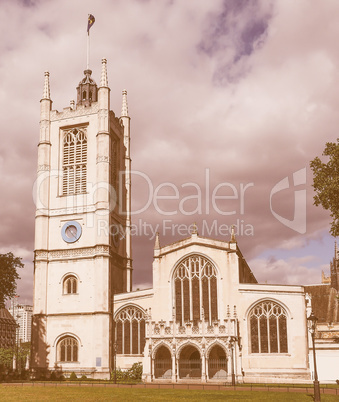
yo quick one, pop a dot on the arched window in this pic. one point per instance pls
(67, 349)
(130, 331)
(75, 162)
(268, 328)
(70, 285)
(195, 286)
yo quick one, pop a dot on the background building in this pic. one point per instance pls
(323, 299)
(8, 328)
(22, 313)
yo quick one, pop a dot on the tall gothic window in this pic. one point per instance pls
(268, 328)
(67, 349)
(74, 161)
(130, 331)
(70, 285)
(195, 286)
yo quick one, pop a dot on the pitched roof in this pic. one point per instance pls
(325, 302)
(5, 314)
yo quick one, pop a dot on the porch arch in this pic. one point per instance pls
(163, 362)
(217, 361)
(190, 363)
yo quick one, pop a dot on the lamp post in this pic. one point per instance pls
(17, 368)
(312, 325)
(115, 362)
(233, 340)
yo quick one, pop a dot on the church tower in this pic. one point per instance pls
(334, 268)
(82, 229)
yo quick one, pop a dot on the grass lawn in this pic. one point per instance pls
(50, 394)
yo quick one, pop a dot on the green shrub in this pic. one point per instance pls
(132, 374)
(135, 372)
(73, 376)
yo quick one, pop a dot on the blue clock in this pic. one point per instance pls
(71, 231)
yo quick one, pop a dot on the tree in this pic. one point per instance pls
(8, 276)
(23, 351)
(326, 183)
(6, 357)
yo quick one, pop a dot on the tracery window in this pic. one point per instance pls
(68, 349)
(130, 331)
(70, 285)
(74, 161)
(268, 328)
(195, 286)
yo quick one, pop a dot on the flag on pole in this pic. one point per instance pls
(91, 21)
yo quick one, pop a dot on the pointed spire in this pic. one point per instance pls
(124, 109)
(233, 240)
(104, 80)
(157, 242)
(46, 94)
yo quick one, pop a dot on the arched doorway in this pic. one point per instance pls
(190, 362)
(163, 363)
(217, 363)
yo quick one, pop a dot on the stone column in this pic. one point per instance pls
(203, 367)
(152, 369)
(173, 368)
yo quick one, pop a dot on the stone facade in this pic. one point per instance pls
(206, 317)
(236, 328)
(79, 261)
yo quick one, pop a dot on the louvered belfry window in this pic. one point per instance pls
(74, 161)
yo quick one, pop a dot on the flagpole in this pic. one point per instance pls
(90, 22)
(88, 50)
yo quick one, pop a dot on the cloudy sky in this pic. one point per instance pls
(227, 98)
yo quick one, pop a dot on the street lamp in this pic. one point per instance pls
(115, 362)
(312, 325)
(17, 368)
(233, 340)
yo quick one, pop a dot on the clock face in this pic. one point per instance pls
(71, 231)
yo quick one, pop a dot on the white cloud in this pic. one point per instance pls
(292, 271)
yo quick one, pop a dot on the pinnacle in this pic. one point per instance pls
(157, 242)
(104, 79)
(124, 109)
(46, 93)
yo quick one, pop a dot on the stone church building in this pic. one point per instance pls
(205, 319)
